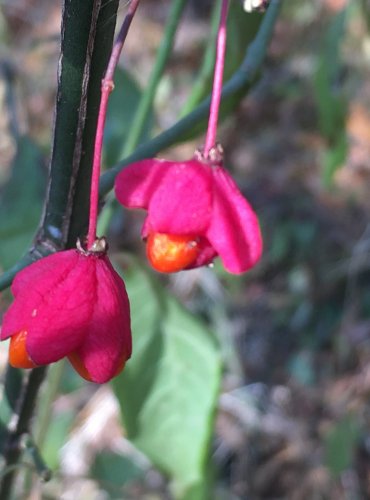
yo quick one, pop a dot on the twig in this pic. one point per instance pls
(13, 445)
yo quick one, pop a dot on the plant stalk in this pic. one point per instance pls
(87, 34)
(13, 445)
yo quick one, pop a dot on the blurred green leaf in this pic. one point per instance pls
(3, 29)
(56, 437)
(334, 157)
(366, 12)
(331, 102)
(301, 367)
(121, 111)
(168, 391)
(340, 444)
(114, 471)
(280, 245)
(241, 31)
(21, 202)
(71, 381)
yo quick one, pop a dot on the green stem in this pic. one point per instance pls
(13, 447)
(102, 48)
(87, 35)
(147, 98)
(237, 84)
(78, 40)
(42, 469)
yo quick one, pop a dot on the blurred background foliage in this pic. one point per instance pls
(289, 418)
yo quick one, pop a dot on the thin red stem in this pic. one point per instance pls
(106, 89)
(210, 141)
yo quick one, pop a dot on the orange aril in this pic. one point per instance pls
(169, 253)
(18, 355)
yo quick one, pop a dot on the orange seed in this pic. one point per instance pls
(18, 355)
(171, 253)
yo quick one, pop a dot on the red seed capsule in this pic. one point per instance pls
(70, 304)
(81, 369)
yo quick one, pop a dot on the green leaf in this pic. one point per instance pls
(334, 158)
(365, 12)
(168, 391)
(121, 111)
(71, 380)
(331, 105)
(56, 437)
(241, 31)
(114, 471)
(340, 445)
(21, 202)
(301, 367)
